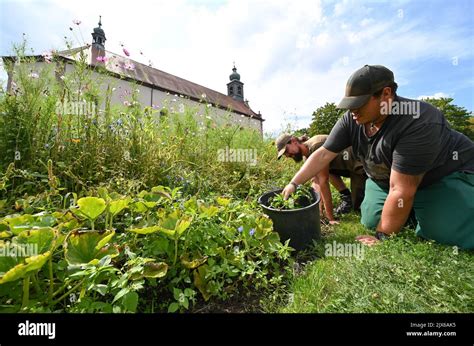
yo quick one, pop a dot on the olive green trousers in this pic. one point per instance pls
(444, 211)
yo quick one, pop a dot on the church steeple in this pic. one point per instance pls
(235, 88)
(98, 36)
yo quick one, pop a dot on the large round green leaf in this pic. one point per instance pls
(7, 261)
(151, 270)
(21, 270)
(264, 227)
(155, 270)
(130, 301)
(175, 224)
(194, 263)
(117, 206)
(20, 223)
(139, 207)
(223, 201)
(67, 222)
(42, 238)
(5, 234)
(183, 224)
(85, 246)
(208, 212)
(89, 207)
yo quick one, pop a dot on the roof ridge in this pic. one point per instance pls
(170, 82)
(183, 79)
(73, 50)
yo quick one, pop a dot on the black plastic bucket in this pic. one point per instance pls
(301, 226)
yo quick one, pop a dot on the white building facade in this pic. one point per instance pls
(120, 76)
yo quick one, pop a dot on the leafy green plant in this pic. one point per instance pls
(144, 216)
(301, 198)
(89, 208)
(81, 247)
(17, 263)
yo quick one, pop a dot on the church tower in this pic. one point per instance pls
(235, 88)
(98, 45)
(98, 36)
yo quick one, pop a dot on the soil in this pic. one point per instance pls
(237, 304)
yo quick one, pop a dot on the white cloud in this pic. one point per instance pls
(293, 56)
(437, 95)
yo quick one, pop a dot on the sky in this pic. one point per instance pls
(293, 56)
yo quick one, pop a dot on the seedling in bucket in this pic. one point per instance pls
(298, 200)
(301, 224)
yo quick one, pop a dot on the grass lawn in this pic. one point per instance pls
(402, 275)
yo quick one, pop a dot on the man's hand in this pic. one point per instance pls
(312, 166)
(367, 240)
(333, 222)
(288, 190)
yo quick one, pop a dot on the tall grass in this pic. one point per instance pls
(119, 145)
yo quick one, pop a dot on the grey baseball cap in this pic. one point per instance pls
(363, 83)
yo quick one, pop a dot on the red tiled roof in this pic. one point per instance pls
(165, 81)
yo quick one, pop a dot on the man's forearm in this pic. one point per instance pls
(315, 163)
(395, 212)
(327, 199)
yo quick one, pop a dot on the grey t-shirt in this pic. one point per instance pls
(415, 141)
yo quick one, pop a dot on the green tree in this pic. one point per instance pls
(301, 132)
(459, 118)
(324, 118)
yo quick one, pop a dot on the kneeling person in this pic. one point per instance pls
(345, 165)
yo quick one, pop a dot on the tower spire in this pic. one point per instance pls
(98, 36)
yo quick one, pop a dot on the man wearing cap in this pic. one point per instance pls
(413, 159)
(345, 164)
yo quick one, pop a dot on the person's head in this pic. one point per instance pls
(290, 146)
(367, 90)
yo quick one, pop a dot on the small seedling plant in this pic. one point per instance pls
(301, 194)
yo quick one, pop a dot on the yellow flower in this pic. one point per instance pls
(75, 140)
